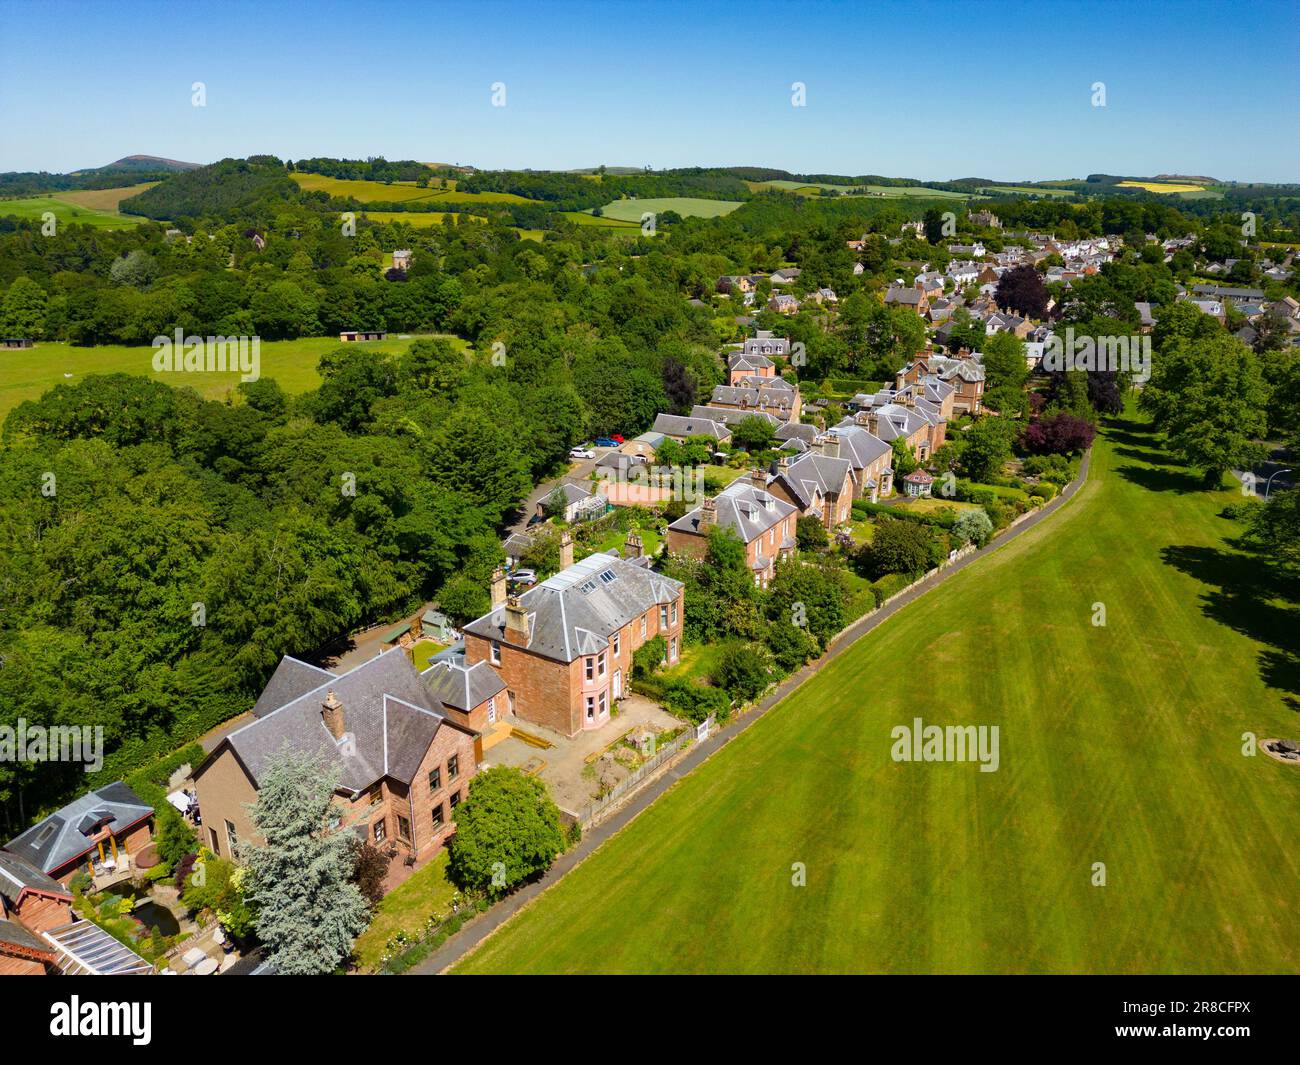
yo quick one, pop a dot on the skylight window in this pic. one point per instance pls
(609, 576)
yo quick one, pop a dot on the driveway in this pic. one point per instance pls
(579, 470)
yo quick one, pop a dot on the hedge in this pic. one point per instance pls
(861, 508)
(889, 586)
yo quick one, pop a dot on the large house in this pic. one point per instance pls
(966, 375)
(403, 758)
(742, 366)
(767, 344)
(818, 482)
(105, 826)
(870, 458)
(764, 523)
(773, 395)
(563, 649)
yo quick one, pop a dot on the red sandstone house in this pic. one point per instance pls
(819, 483)
(563, 649)
(764, 523)
(97, 832)
(403, 745)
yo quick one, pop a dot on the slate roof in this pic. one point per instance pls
(63, 837)
(765, 345)
(17, 875)
(575, 612)
(389, 718)
(707, 424)
(290, 680)
(813, 475)
(742, 507)
(859, 446)
(744, 361)
(797, 431)
(731, 416)
(12, 934)
(462, 687)
(778, 398)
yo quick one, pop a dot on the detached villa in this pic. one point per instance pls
(563, 649)
(404, 757)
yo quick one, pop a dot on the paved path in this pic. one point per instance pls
(481, 927)
(578, 472)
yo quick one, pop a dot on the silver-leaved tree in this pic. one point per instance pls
(309, 911)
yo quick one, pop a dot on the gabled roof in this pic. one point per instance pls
(742, 507)
(709, 424)
(730, 416)
(797, 431)
(66, 834)
(813, 475)
(291, 679)
(389, 718)
(18, 877)
(859, 446)
(575, 612)
(462, 686)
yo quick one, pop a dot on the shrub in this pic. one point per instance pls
(744, 671)
(695, 702)
(648, 657)
(897, 547)
(973, 527)
(506, 831)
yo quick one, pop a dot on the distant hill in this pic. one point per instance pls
(227, 188)
(1191, 179)
(149, 163)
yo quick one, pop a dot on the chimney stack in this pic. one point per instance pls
(831, 446)
(516, 621)
(632, 545)
(708, 513)
(498, 587)
(758, 478)
(331, 714)
(566, 550)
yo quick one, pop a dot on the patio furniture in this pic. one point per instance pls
(192, 958)
(206, 967)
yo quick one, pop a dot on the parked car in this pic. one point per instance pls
(606, 441)
(523, 576)
(582, 453)
(616, 438)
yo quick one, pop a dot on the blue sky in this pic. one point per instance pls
(926, 90)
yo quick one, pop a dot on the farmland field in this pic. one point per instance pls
(686, 206)
(1119, 744)
(582, 218)
(415, 218)
(67, 211)
(103, 199)
(1160, 186)
(813, 188)
(399, 191)
(28, 374)
(1027, 190)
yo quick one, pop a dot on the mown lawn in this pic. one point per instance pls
(30, 373)
(66, 212)
(1119, 744)
(407, 909)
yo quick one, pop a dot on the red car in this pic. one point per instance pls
(616, 438)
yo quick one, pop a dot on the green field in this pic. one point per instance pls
(582, 218)
(889, 192)
(67, 212)
(420, 219)
(1027, 190)
(686, 206)
(399, 191)
(1119, 744)
(30, 373)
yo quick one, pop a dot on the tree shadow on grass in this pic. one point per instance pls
(1245, 599)
(1141, 454)
(1163, 478)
